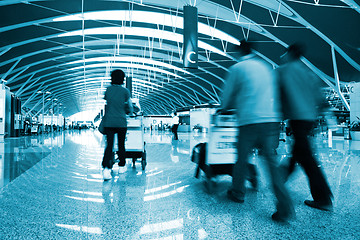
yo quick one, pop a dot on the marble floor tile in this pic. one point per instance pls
(52, 188)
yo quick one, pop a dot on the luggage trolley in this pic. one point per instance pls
(218, 156)
(134, 142)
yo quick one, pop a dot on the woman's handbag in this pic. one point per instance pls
(101, 127)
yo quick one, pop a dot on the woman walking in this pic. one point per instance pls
(117, 101)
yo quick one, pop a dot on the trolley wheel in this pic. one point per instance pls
(143, 160)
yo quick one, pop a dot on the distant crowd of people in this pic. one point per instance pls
(31, 128)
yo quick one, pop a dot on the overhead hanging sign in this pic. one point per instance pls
(190, 48)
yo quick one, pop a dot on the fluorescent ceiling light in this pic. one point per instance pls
(149, 17)
(141, 32)
(95, 80)
(130, 59)
(140, 94)
(127, 65)
(136, 80)
(144, 84)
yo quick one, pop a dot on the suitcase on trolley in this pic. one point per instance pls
(134, 142)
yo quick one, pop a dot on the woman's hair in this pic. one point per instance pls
(117, 77)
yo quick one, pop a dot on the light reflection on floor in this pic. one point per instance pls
(52, 188)
(19, 154)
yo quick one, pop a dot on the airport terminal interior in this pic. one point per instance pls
(56, 58)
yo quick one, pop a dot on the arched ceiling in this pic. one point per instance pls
(69, 47)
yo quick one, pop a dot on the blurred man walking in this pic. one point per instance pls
(251, 89)
(302, 103)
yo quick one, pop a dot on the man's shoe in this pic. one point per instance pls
(107, 174)
(319, 205)
(277, 217)
(232, 197)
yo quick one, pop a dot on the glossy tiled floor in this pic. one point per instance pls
(63, 195)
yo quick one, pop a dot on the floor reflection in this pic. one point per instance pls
(165, 201)
(19, 154)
